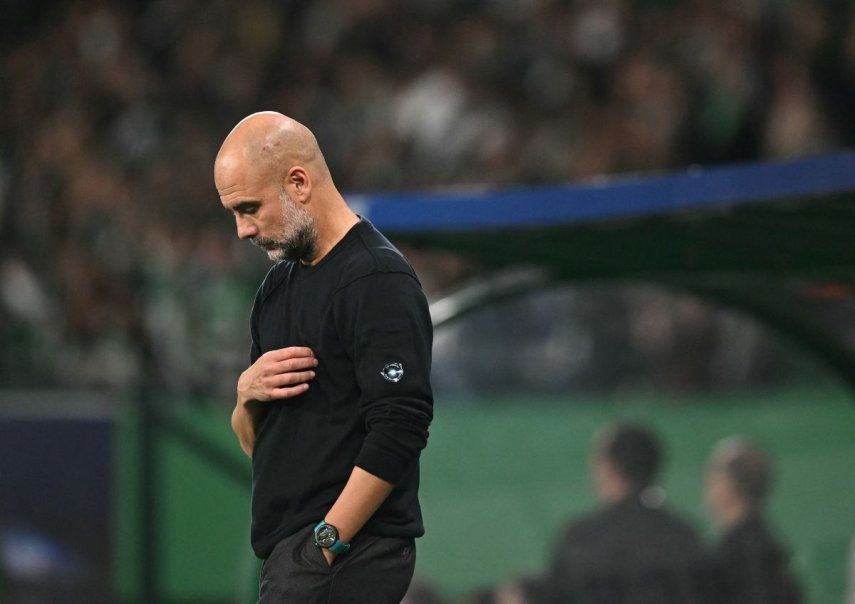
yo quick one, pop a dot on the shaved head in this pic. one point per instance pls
(271, 175)
(269, 144)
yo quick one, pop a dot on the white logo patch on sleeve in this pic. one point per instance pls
(393, 372)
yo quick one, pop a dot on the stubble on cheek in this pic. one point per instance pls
(300, 244)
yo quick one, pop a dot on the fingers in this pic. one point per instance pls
(289, 392)
(296, 364)
(291, 352)
(282, 373)
(287, 379)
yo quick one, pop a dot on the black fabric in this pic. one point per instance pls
(752, 568)
(626, 553)
(361, 309)
(376, 570)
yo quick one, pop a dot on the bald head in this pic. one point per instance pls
(267, 145)
(272, 177)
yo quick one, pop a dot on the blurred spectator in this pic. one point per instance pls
(632, 549)
(850, 597)
(422, 592)
(750, 565)
(111, 114)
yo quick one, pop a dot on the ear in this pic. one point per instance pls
(298, 183)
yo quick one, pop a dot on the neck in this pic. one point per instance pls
(332, 224)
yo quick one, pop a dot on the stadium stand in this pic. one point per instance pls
(108, 219)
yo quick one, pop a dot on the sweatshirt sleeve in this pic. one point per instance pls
(255, 345)
(385, 324)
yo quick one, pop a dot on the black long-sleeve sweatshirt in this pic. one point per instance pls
(362, 311)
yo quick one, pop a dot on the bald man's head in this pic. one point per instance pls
(272, 177)
(268, 145)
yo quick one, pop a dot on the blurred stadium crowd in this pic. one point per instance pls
(111, 114)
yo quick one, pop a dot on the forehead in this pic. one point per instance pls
(236, 178)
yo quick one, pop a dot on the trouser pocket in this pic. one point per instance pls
(376, 571)
(312, 554)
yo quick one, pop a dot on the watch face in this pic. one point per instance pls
(326, 536)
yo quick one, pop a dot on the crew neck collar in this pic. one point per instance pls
(348, 237)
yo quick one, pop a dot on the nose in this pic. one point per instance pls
(245, 228)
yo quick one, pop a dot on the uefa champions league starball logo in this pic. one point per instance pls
(393, 372)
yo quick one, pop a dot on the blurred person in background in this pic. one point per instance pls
(631, 549)
(850, 597)
(422, 591)
(749, 564)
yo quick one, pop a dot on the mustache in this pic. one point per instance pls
(264, 242)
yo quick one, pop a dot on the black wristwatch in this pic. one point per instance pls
(326, 536)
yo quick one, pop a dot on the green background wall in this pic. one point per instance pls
(499, 476)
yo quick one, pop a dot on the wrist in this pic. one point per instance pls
(243, 386)
(342, 526)
(241, 390)
(244, 399)
(328, 539)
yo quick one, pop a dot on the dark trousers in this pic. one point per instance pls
(375, 569)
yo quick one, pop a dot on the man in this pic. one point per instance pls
(749, 565)
(632, 549)
(335, 406)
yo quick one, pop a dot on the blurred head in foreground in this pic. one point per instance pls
(271, 175)
(625, 461)
(738, 481)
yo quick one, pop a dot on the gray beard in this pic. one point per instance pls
(302, 244)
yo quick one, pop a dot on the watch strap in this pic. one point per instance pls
(339, 547)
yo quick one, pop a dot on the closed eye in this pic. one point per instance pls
(246, 207)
